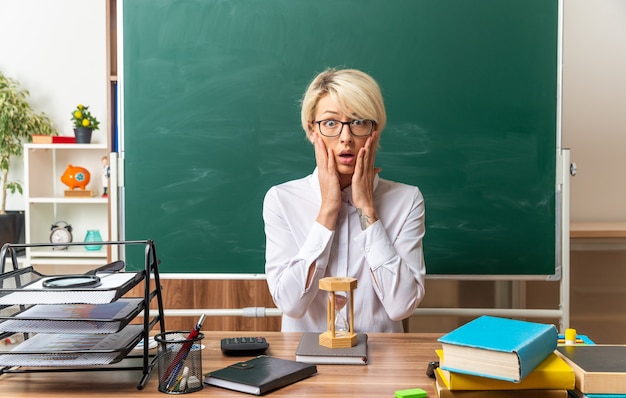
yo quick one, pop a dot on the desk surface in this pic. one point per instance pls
(397, 362)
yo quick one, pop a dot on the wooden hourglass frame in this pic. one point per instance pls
(329, 338)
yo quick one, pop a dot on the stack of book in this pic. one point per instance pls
(501, 357)
(52, 139)
(600, 369)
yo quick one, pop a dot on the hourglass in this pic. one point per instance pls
(339, 330)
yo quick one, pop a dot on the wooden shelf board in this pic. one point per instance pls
(598, 230)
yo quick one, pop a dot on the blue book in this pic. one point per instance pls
(498, 348)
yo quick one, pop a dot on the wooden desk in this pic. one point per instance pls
(397, 362)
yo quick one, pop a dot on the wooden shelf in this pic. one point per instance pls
(598, 230)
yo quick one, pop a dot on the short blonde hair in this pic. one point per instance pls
(355, 93)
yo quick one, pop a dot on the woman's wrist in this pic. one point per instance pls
(327, 218)
(367, 217)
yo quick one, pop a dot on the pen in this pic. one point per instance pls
(174, 379)
(183, 352)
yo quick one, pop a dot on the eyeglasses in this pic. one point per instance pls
(333, 128)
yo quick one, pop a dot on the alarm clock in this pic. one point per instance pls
(60, 232)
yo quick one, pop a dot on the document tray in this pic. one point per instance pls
(73, 349)
(25, 286)
(71, 318)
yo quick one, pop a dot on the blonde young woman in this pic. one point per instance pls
(343, 219)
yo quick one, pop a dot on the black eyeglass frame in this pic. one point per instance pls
(319, 126)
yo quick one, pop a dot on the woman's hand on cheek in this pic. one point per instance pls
(363, 178)
(329, 183)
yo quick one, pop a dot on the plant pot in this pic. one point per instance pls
(12, 228)
(83, 135)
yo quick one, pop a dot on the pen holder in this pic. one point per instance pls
(180, 362)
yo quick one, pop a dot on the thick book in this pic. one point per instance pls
(260, 375)
(499, 348)
(52, 139)
(443, 391)
(598, 368)
(551, 374)
(309, 350)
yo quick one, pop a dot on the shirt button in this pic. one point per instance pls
(367, 249)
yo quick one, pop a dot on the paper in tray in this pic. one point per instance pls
(73, 318)
(25, 286)
(73, 349)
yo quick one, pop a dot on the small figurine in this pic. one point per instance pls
(76, 177)
(106, 173)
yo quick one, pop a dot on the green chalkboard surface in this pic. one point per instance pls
(211, 94)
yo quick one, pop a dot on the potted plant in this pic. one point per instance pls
(84, 124)
(18, 122)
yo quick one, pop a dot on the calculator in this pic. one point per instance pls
(244, 346)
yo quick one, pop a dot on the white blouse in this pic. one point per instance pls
(386, 259)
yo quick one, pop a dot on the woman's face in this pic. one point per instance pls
(345, 146)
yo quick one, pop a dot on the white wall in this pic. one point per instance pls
(594, 107)
(57, 51)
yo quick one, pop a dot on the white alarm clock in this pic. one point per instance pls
(60, 232)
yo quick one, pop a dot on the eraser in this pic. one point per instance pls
(193, 382)
(411, 393)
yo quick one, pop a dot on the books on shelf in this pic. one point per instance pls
(52, 139)
(309, 350)
(443, 391)
(73, 318)
(499, 348)
(551, 374)
(598, 368)
(260, 375)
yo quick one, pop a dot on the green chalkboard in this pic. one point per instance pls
(211, 94)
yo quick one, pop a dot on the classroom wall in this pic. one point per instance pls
(594, 100)
(57, 51)
(594, 127)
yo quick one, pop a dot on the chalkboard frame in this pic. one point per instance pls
(185, 236)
